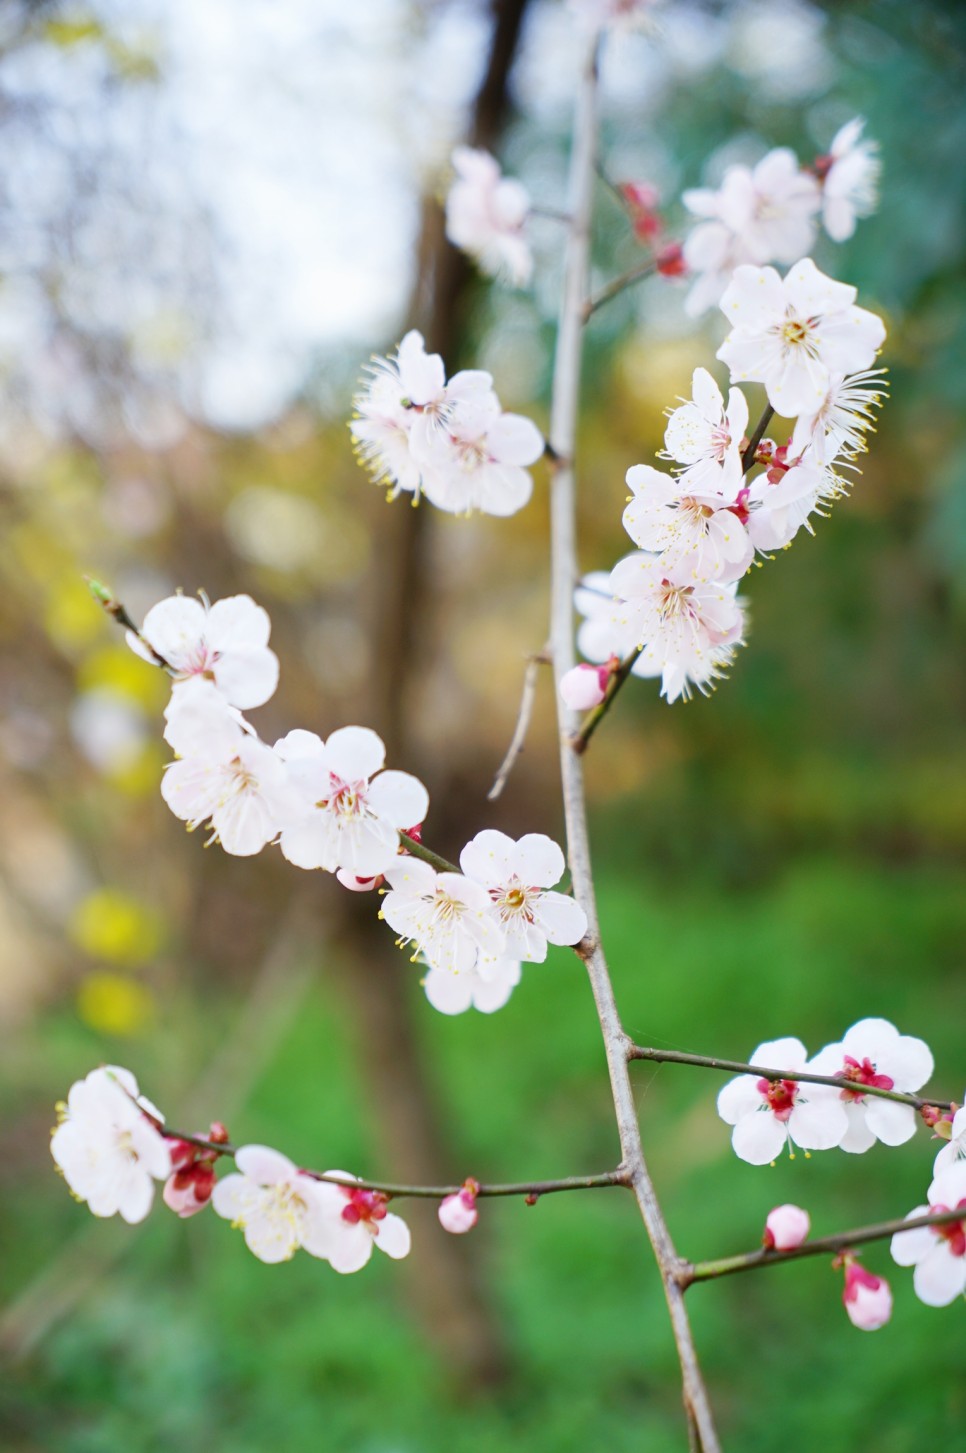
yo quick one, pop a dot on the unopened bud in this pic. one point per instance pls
(670, 260)
(458, 1213)
(585, 686)
(359, 885)
(785, 1228)
(867, 1298)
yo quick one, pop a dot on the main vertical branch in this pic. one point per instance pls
(563, 427)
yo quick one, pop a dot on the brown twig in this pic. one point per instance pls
(615, 288)
(748, 457)
(534, 662)
(594, 717)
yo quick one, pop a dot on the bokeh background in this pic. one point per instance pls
(210, 215)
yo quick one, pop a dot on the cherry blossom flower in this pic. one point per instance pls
(226, 643)
(954, 1152)
(458, 1213)
(351, 811)
(404, 396)
(792, 334)
(278, 1207)
(477, 458)
(189, 1186)
(937, 1252)
(584, 686)
(517, 875)
(224, 774)
(108, 1149)
(778, 503)
(486, 986)
(680, 519)
(768, 1114)
(839, 425)
(867, 1298)
(702, 434)
(688, 627)
(759, 215)
(850, 175)
(486, 214)
(785, 1228)
(874, 1053)
(354, 1221)
(448, 918)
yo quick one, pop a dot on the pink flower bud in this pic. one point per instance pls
(189, 1190)
(584, 686)
(670, 261)
(785, 1228)
(867, 1298)
(458, 1213)
(358, 885)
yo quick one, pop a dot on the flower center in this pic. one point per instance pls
(862, 1072)
(779, 1096)
(696, 513)
(445, 908)
(346, 799)
(513, 902)
(473, 453)
(796, 333)
(366, 1206)
(675, 600)
(954, 1232)
(720, 441)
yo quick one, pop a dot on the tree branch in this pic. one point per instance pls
(735, 1067)
(566, 388)
(524, 714)
(748, 457)
(594, 717)
(752, 1260)
(613, 289)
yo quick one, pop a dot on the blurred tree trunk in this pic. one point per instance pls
(447, 1281)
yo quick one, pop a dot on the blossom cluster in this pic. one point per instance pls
(331, 805)
(770, 212)
(447, 440)
(700, 528)
(111, 1147)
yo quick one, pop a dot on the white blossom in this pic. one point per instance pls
(678, 519)
(688, 627)
(517, 877)
(226, 643)
(937, 1252)
(486, 986)
(109, 1151)
(768, 1114)
(874, 1053)
(448, 918)
(867, 1298)
(477, 459)
(850, 175)
(224, 774)
(837, 428)
(793, 334)
(354, 1221)
(277, 1206)
(600, 636)
(350, 810)
(486, 214)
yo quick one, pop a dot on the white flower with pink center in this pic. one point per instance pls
(278, 1207)
(954, 1152)
(793, 334)
(477, 459)
(486, 986)
(867, 1298)
(874, 1053)
(711, 253)
(447, 917)
(778, 502)
(486, 214)
(226, 643)
(224, 776)
(937, 1252)
(850, 175)
(405, 399)
(599, 636)
(354, 1221)
(688, 627)
(350, 810)
(703, 434)
(767, 1115)
(583, 686)
(682, 517)
(109, 1151)
(770, 209)
(517, 876)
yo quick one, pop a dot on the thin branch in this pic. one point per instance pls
(564, 410)
(551, 213)
(115, 608)
(419, 850)
(752, 1260)
(617, 1177)
(619, 284)
(735, 1067)
(748, 457)
(594, 717)
(534, 662)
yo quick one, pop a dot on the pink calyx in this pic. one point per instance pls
(367, 1206)
(780, 1096)
(953, 1232)
(861, 1073)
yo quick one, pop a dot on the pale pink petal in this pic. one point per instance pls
(262, 1164)
(392, 1236)
(859, 1137)
(351, 1248)
(135, 1200)
(247, 678)
(231, 1196)
(270, 1239)
(400, 798)
(449, 993)
(489, 858)
(940, 1277)
(737, 1098)
(818, 1123)
(753, 298)
(908, 1247)
(893, 1124)
(561, 918)
(539, 861)
(515, 440)
(174, 627)
(491, 994)
(354, 753)
(237, 624)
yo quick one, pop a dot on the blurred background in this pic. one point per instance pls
(210, 216)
